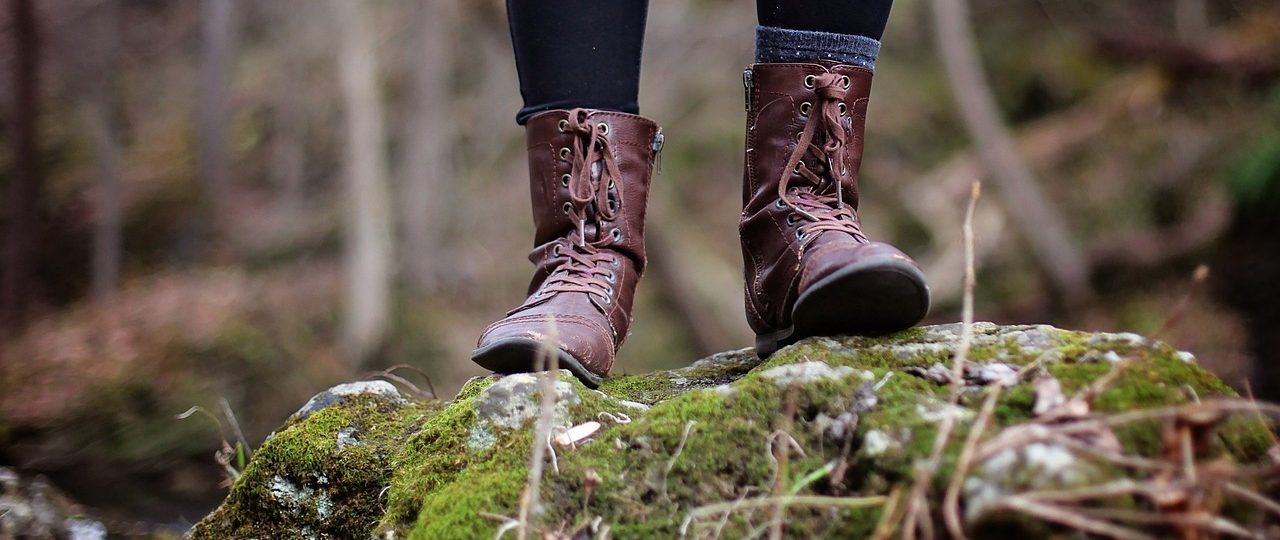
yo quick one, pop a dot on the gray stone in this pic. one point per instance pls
(380, 389)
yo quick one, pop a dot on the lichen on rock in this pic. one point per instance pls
(672, 442)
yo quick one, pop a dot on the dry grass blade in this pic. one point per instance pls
(549, 361)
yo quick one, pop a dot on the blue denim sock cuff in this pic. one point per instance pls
(775, 45)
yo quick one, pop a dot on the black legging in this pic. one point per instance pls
(586, 53)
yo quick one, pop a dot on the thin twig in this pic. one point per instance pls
(917, 503)
(1253, 497)
(788, 500)
(888, 516)
(951, 502)
(1198, 277)
(783, 456)
(1049, 512)
(547, 387)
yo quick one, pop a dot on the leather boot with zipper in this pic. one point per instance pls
(589, 172)
(809, 268)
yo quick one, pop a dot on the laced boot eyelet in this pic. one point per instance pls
(800, 235)
(612, 277)
(564, 180)
(563, 125)
(604, 128)
(791, 220)
(555, 250)
(796, 169)
(613, 205)
(567, 207)
(805, 107)
(809, 80)
(843, 109)
(844, 81)
(779, 204)
(617, 234)
(612, 184)
(615, 262)
(565, 153)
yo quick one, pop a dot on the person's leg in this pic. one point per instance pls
(590, 162)
(577, 53)
(810, 269)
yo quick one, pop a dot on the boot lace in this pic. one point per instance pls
(821, 202)
(592, 202)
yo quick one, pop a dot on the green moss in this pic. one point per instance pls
(706, 439)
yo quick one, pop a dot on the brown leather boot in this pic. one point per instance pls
(810, 270)
(589, 171)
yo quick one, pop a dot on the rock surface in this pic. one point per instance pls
(861, 412)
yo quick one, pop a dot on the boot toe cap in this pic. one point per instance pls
(588, 343)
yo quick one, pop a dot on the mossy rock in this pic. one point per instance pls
(377, 465)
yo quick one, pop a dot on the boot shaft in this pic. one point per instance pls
(779, 100)
(558, 142)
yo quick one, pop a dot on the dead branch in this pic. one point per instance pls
(1038, 222)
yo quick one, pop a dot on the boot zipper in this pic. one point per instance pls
(746, 88)
(658, 140)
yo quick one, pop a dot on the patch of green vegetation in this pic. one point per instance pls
(699, 443)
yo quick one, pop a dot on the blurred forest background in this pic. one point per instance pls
(234, 204)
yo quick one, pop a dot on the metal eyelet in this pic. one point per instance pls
(791, 220)
(805, 107)
(844, 80)
(565, 153)
(809, 80)
(617, 234)
(563, 125)
(612, 277)
(799, 234)
(564, 179)
(779, 204)
(843, 109)
(613, 205)
(605, 299)
(609, 290)
(611, 184)
(796, 169)
(555, 250)
(615, 262)
(604, 128)
(567, 207)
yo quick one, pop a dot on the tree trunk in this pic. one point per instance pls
(107, 237)
(368, 225)
(1039, 222)
(424, 164)
(217, 41)
(24, 185)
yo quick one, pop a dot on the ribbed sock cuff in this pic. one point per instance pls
(775, 45)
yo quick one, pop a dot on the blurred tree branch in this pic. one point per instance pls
(24, 188)
(368, 221)
(1038, 222)
(425, 167)
(108, 241)
(217, 53)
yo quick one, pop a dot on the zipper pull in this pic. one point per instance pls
(746, 88)
(658, 140)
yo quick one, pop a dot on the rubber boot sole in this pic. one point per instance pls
(877, 296)
(522, 355)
